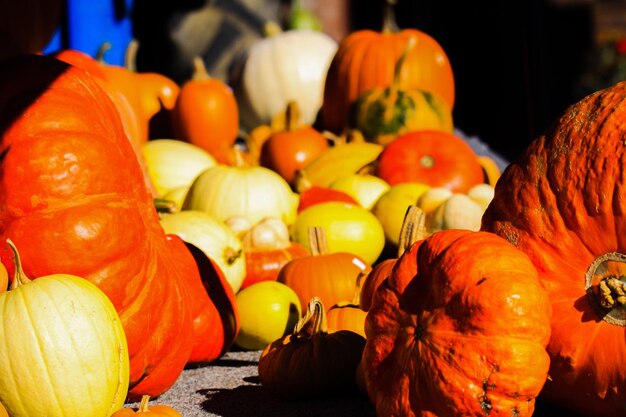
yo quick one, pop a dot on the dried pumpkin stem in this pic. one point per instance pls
(605, 283)
(20, 277)
(389, 17)
(318, 244)
(292, 116)
(130, 55)
(199, 70)
(313, 322)
(413, 228)
(143, 405)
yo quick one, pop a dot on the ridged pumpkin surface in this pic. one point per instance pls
(563, 202)
(73, 199)
(459, 328)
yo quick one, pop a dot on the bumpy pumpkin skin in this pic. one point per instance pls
(74, 200)
(458, 329)
(563, 203)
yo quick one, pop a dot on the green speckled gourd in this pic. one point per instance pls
(381, 114)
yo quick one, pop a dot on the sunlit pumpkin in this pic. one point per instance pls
(157, 410)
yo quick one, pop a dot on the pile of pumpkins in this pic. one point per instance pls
(422, 277)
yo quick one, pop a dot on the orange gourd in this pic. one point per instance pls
(365, 59)
(72, 196)
(158, 410)
(436, 158)
(290, 150)
(329, 276)
(459, 328)
(206, 113)
(563, 202)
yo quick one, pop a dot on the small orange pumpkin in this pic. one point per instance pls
(290, 150)
(206, 113)
(329, 276)
(158, 410)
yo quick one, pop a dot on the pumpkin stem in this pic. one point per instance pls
(389, 17)
(130, 55)
(199, 70)
(313, 322)
(605, 283)
(317, 241)
(413, 228)
(272, 29)
(143, 405)
(101, 51)
(20, 277)
(397, 69)
(292, 116)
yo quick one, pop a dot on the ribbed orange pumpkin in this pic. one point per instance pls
(365, 59)
(563, 202)
(73, 198)
(458, 329)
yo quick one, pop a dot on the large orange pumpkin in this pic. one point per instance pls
(458, 329)
(73, 198)
(563, 202)
(366, 59)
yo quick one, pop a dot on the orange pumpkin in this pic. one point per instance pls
(310, 362)
(436, 158)
(563, 202)
(457, 330)
(73, 198)
(289, 150)
(158, 410)
(365, 59)
(206, 113)
(329, 276)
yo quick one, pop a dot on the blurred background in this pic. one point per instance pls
(517, 64)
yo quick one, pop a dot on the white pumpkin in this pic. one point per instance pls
(253, 192)
(282, 67)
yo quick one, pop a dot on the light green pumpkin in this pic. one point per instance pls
(382, 114)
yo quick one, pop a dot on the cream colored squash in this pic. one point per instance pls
(282, 67)
(253, 192)
(64, 352)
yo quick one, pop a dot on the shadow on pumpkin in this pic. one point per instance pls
(255, 400)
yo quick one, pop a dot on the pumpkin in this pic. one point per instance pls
(158, 410)
(329, 276)
(3, 411)
(384, 112)
(317, 194)
(310, 362)
(214, 238)
(71, 189)
(347, 314)
(174, 164)
(283, 66)
(365, 59)
(206, 113)
(436, 158)
(254, 192)
(288, 151)
(562, 202)
(62, 339)
(457, 331)
(267, 248)
(347, 155)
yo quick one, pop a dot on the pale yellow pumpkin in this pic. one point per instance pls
(64, 351)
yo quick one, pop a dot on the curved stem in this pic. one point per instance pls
(317, 241)
(199, 70)
(413, 228)
(313, 322)
(130, 56)
(20, 277)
